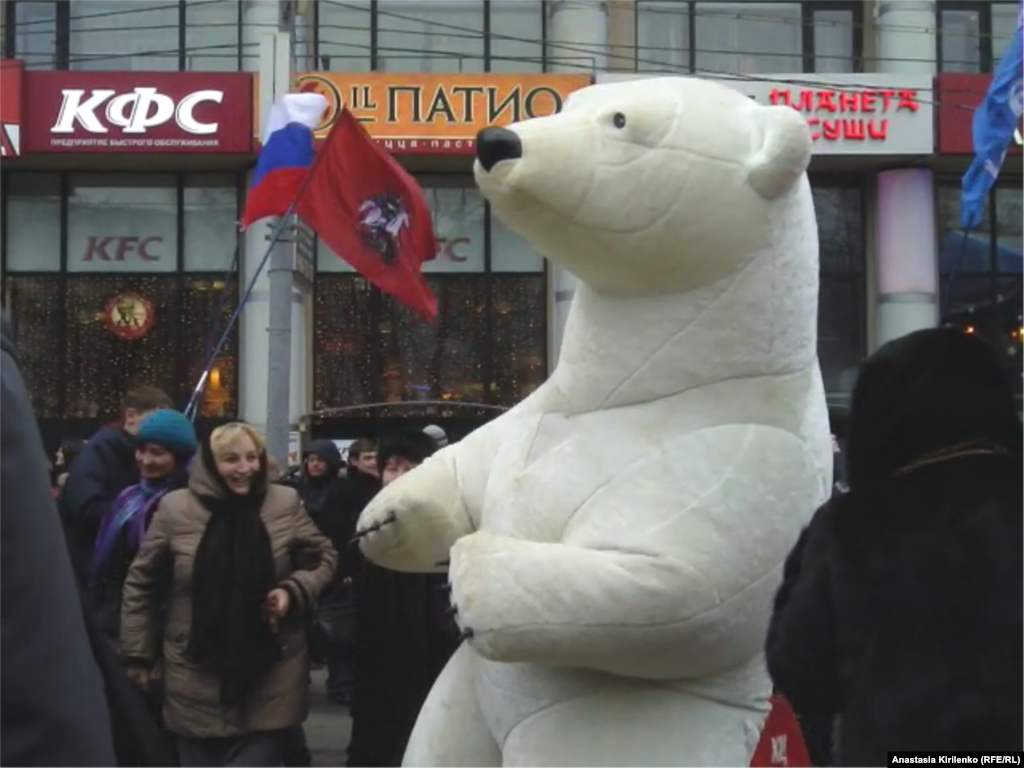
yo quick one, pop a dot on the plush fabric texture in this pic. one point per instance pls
(616, 539)
(900, 608)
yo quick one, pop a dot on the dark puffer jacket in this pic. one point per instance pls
(901, 602)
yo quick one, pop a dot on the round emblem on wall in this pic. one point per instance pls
(129, 316)
(327, 89)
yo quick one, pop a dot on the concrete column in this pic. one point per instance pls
(905, 36)
(621, 35)
(577, 41)
(253, 333)
(906, 247)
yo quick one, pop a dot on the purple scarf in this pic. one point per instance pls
(131, 510)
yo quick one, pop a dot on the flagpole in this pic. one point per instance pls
(192, 408)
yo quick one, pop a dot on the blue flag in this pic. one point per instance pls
(995, 120)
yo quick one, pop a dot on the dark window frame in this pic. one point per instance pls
(488, 278)
(62, 52)
(180, 276)
(807, 53)
(374, 52)
(985, 31)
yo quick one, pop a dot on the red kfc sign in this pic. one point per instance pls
(151, 112)
(122, 248)
(957, 97)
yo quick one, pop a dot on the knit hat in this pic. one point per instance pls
(171, 430)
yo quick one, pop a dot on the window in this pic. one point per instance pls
(663, 37)
(132, 304)
(101, 365)
(207, 304)
(960, 40)
(1004, 22)
(748, 37)
(980, 273)
(124, 34)
(211, 223)
(488, 343)
(517, 36)
(834, 41)
(211, 35)
(35, 308)
(458, 214)
(32, 235)
(35, 34)
(842, 296)
(122, 223)
(344, 36)
(440, 36)
(258, 17)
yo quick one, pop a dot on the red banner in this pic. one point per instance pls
(10, 108)
(957, 96)
(782, 742)
(136, 112)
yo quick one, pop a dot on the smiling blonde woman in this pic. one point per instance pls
(234, 643)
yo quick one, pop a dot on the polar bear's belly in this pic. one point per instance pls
(512, 695)
(549, 465)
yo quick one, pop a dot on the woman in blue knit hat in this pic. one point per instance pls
(166, 442)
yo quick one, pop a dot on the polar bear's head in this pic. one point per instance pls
(648, 187)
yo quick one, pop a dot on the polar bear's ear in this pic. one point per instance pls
(784, 154)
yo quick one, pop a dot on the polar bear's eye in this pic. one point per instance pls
(619, 120)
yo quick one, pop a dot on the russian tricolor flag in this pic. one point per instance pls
(286, 156)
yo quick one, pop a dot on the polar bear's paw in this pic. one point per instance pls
(412, 524)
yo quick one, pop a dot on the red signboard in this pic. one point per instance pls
(853, 115)
(782, 743)
(957, 97)
(10, 108)
(153, 112)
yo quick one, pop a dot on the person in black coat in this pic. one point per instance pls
(104, 468)
(404, 634)
(53, 701)
(900, 607)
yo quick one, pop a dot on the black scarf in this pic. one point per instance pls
(232, 574)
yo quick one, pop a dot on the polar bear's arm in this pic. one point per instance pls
(668, 571)
(433, 505)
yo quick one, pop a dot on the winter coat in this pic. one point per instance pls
(54, 703)
(906, 619)
(305, 563)
(104, 468)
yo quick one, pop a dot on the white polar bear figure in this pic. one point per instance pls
(616, 539)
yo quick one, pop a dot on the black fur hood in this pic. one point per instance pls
(928, 392)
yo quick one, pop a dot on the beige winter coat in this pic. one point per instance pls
(305, 564)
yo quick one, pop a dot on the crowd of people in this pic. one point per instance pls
(172, 613)
(218, 582)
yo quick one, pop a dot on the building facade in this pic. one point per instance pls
(121, 261)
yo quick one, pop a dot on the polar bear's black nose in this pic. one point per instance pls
(496, 144)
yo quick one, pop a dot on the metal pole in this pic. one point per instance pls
(279, 349)
(277, 54)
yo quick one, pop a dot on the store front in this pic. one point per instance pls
(980, 270)
(488, 344)
(860, 124)
(119, 239)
